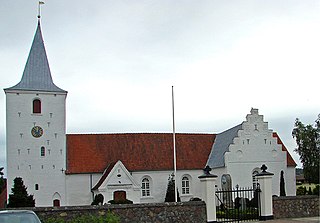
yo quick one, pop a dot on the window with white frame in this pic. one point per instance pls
(185, 185)
(145, 187)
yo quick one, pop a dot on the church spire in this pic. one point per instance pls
(36, 75)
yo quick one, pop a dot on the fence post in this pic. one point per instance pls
(265, 181)
(208, 183)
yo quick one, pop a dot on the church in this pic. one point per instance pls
(62, 169)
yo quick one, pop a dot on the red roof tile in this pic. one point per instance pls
(92, 153)
(290, 160)
(89, 153)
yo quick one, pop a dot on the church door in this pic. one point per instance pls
(119, 196)
(56, 203)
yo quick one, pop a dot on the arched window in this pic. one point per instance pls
(254, 178)
(185, 185)
(145, 187)
(43, 151)
(36, 106)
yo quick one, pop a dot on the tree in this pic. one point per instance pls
(2, 182)
(282, 185)
(19, 196)
(308, 142)
(98, 200)
(170, 195)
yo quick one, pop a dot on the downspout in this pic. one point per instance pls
(91, 187)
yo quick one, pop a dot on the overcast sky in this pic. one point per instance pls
(119, 59)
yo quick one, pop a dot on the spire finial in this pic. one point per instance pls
(39, 11)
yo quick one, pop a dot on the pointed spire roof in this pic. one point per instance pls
(36, 75)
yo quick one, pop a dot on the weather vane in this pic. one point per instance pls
(39, 11)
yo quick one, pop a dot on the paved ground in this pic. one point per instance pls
(294, 220)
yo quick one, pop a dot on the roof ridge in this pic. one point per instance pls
(136, 133)
(234, 127)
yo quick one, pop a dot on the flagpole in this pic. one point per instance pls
(174, 151)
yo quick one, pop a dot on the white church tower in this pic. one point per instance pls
(36, 130)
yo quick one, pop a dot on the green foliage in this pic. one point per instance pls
(231, 213)
(108, 218)
(98, 199)
(316, 190)
(301, 190)
(19, 196)
(310, 189)
(282, 185)
(170, 195)
(308, 142)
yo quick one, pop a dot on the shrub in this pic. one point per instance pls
(126, 201)
(316, 190)
(195, 199)
(301, 190)
(98, 199)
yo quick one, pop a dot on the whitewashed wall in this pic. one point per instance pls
(23, 150)
(159, 181)
(79, 187)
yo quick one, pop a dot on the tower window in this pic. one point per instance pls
(36, 186)
(43, 151)
(36, 106)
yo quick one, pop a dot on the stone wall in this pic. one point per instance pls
(298, 206)
(194, 211)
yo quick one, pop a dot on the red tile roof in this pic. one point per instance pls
(93, 153)
(90, 153)
(290, 160)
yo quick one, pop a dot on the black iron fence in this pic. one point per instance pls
(238, 204)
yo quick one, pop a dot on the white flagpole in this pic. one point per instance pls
(174, 151)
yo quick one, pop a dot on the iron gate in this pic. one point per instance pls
(238, 204)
